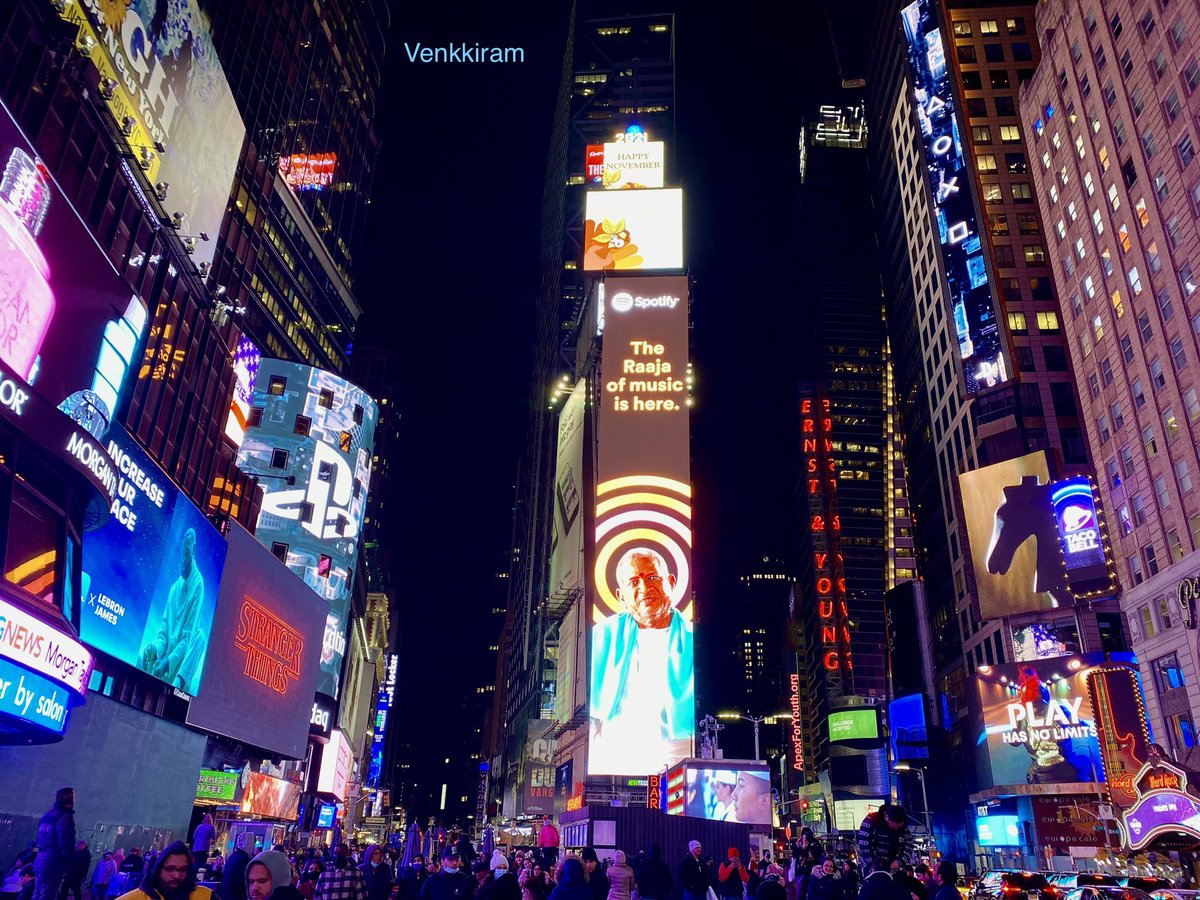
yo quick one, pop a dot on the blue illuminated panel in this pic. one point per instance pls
(980, 342)
(32, 698)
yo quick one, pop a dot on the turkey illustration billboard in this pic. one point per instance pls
(641, 685)
(1039, 727)
(633, 230)
(1014, 538)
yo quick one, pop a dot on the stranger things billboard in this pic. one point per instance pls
(642, 694)
(264, 653)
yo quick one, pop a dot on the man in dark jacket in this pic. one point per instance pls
(879, 884)
(732, 876)
(412, 879)
(653, 876)
(450, 882)
(945, 877)
(597, 882)
(693, 874)
(81, 861)
(885, 833)
(377, 872)
(233, 878)
(56, 843)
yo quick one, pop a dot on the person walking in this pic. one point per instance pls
(879, 885)
(233, 876)
(377, 873)
(172, 877)
(56, 845)
(341, 880)
(504, 884)
(450, 882)
(621, 880)
(732, 876)
(268, 873)
(77, 869)
(412, 879)
(653, 877)
(105, 870)
(593, 874)
(693, 874)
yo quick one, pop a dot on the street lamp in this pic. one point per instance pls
(905, 767)
(770, 720)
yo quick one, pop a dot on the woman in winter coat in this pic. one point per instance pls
(621, 883)
(534, 884)
(826, 883)
(573, 884)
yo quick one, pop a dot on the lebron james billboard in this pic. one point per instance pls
(642, 694)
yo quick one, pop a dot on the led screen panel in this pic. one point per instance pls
(151, 574)
(168, 84)
(217, 785)
(273, 798)
(1014, 540)
(908, 728)
(729, 795)
(642, 720)
(1039, 727)
(1083, 537)
(263, 654)
(853, 725)
(848, 814)
(998, 831)
(621, 166)
(325, 815)
(1121, 727)
(567, 564)
(633, 230)
(246, 360)
(337, 758)
(952, 186)
(312, 452)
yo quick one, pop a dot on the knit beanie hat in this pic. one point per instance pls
(499, 860)
(692, 845)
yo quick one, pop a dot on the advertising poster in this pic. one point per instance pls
(564, 783)
(566, 558)
(642, 692)
(908, 728)
(246, 360)
(853, 725)
(312, 452)
(633, 230)
(952, 186)
(169, 81)
(263, 654)
(1039, 727)
(63, 307)
(1068, 821)
(1014, 540)
(539, 769)
(274, 798)
(628, 166)
(337, 759)
(1083, 537)
(308, 171)
(729, 795)
(151, 574)
(217, 785)
(998, 831)
(1121, 729)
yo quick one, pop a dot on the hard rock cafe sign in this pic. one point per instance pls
(1165, 807)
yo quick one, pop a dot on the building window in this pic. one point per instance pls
(1035, 254)
(1157, 379)
(1102, 427)
(1047, 322)
(1056, 359)
(1010, 134)
(1139, 510)
(1168, 674)
(1139, 395)
(302, 426)
(1151, 560)
(279, 551)
(1015, 163)
(1106, 372)
(986, 162)
(988, 26)
(963, 29)
(1160, 491)
(1017, 323)
(1174, 545)
(1145, 616)
(1193, 404)
(1022, 191)
(1027, 223)
(1182, 476)
(966, 53)
(1186, 151)
(1149, 442)
(1118, 415)
(1127, 461)
(1126, 348)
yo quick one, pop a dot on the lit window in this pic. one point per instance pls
(1140, 210)
(1080, 148)
(1071, 213)
(1114, 200)
(1135, 281)
(986, 162)
(1123, 237)
(988, 26)
(1087, 184)
(1017, 323)
(1080, 251)
(1047, 322)
(1097, 222)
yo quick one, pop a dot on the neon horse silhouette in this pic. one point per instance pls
(1025, 513)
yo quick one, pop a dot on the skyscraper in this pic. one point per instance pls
(1112, 115)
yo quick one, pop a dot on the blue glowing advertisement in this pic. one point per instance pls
(998, 831)
(326, 815)
(980, 342)
(33, 698)
(151, 573)
(908, 728)
(1083, 537)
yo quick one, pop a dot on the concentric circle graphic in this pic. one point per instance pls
(642, 511)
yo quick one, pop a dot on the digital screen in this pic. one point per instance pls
(626, 166)
(1039, 727)
(633, 230)
(266, 640)
(1013, 537)
(276, 798)
(246, 360)
(642, 720)
(33, 698)
(308, 171)
(952, 184)
(567, 574)
(169, 81)
(908, 728)
(853, 725)
(1082, 536)
(312, 450)
(336, 759)
(998, 831)
(1042, 640)
(383, 706)
(729, 795)
(848, 814)
(325, 815)
(217, 785)
(151, 574)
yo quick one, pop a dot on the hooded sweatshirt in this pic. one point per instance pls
(277, 864)
(378, 878)
(573, 883)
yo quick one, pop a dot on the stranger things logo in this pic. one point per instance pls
(272, 647)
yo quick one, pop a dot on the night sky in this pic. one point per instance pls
(450, 279)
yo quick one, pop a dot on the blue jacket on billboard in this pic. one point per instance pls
(614, 646)
(177, 651)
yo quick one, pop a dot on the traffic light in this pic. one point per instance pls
(803, 806)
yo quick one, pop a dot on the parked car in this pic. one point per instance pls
(1148, 883)
(1106, 892)
(1004, 884)
(1174, 894)
(1066, 881)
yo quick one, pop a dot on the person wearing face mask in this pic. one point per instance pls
(377, 873)
(451, 882)
(504, 885)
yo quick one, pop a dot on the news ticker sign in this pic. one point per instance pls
(35, 645)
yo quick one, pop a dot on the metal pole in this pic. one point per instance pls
(925, 801)
(756, 721)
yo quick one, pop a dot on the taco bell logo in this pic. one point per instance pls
(1077, 517)
(328, 494)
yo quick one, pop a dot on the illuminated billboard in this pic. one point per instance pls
(952, 186)
(169, 90)
(998, 831)
(308, 171)
(1014, 540)
(309, 439)
(217, 785)
(566, 556)
(383, 707)
(246, 360)
(263, 653)
(626, 166)
(1039, 727)
(1121, 728)
(633, 230)
(908, 728)
(71, 325)
(326, 815)
(539, 769)
(337, 759)
(642, 577)
(151, 573)
(1083, 537)
(736, 794)
(273, 798)
(853, 725)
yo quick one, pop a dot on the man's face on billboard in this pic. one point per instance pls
(751, 799)
(645, 587)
